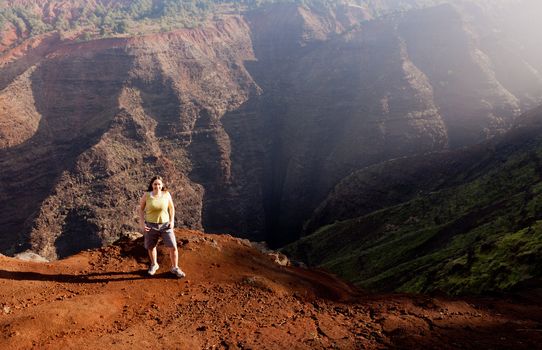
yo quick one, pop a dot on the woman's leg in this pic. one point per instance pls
(171, 242)
(173, 256)
(153, 256)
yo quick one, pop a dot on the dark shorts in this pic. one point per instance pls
(157, 231)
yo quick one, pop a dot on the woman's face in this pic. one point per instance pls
(157, 185)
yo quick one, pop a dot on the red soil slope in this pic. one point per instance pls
(234, 297)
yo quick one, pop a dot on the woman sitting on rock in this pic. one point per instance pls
(156, 218)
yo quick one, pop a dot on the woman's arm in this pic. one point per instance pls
(171, 209)
(142, 204)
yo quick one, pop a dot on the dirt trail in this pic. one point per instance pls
(234, 297)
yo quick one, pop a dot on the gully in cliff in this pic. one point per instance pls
(157, 218)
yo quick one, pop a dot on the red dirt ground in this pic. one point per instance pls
(235, 297)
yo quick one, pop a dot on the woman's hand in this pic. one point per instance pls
(171, 224)
(144, 228)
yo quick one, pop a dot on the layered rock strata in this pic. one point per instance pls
(252, 118)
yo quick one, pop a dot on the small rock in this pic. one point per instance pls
(30, 256)
(132, 235)
(279, 258)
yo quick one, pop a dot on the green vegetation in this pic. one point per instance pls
(135, 17)
(484, 234)
(113, 19)
(110, 18)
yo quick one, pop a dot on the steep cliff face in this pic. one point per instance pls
(473, 103)
(72, 98)
(109, 115)
(338, 98)
(251, 118)
(331, 113)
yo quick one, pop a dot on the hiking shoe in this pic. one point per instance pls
(178, 272)
(152, 270)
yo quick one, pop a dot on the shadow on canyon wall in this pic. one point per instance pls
(75, 111)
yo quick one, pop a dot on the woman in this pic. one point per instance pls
(156, 218)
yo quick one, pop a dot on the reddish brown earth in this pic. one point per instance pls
(234, 297)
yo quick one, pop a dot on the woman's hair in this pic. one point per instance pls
(154, 178)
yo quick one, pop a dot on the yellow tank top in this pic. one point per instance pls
(156, 208)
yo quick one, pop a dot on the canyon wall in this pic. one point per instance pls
(252, 119)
